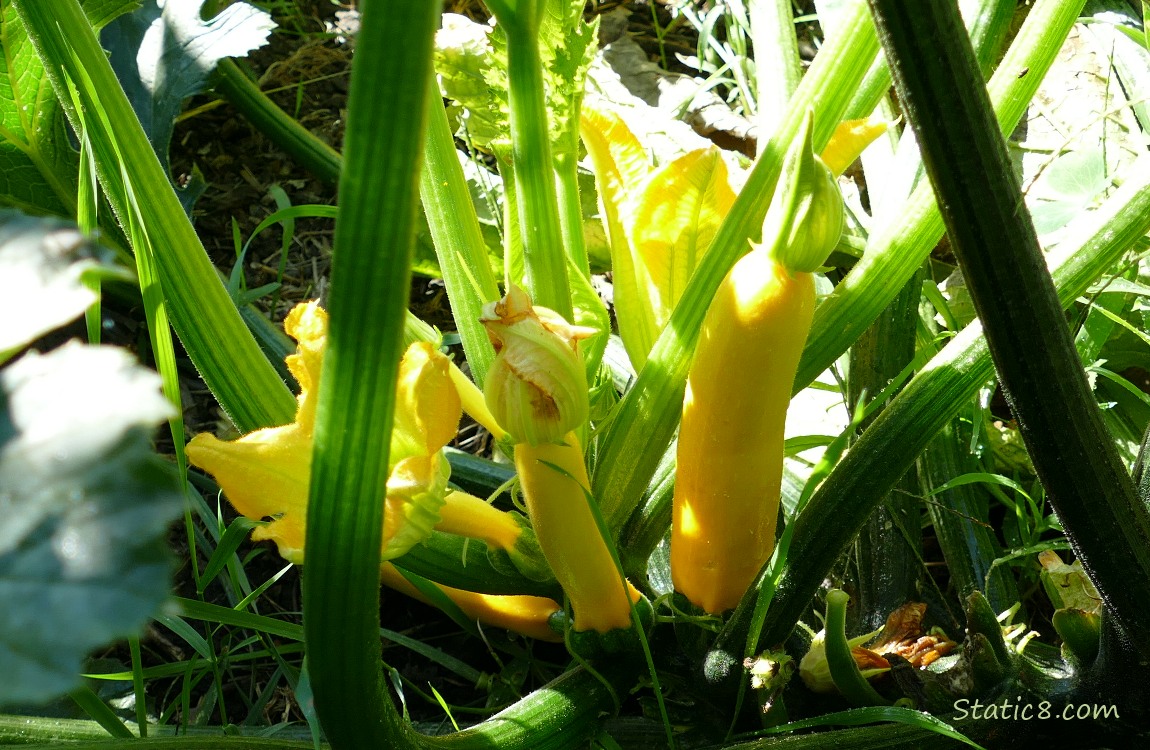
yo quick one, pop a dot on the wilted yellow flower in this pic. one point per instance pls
(902, 635)
(537, 387)
(266, 473)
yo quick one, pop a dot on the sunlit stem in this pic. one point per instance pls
(544, 257)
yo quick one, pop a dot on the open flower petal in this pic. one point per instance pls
(307, 324)
(266, 474)
(427, 405)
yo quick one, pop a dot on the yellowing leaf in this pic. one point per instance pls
(621, 168)
(676, 219)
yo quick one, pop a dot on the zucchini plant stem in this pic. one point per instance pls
(889, 547)
(544, 257)
(1038, 366)
(242, 93)
(459, 244)
(370, 276)
(570, 209)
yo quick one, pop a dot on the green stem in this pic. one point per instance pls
(544, 258)
(1005, 271)
(242, 93)
(459, 244)
(844, 670)
(959, 519)
(570, 209)
(888, 551)
(370, 275)
(777, 67)
(441, 559)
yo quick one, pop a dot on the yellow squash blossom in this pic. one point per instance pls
(265, 474)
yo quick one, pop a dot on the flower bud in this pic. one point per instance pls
(805, 220)
(537, 386)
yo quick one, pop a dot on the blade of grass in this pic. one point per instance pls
(138, 688)
(87, 699)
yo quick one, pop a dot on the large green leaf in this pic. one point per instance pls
(38, 167)
(163, 55)
(85, 505)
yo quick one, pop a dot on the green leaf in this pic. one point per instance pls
(164, 55)
(38, 167)
(44, 263)
(567, 45)
(86, 504)
(468, 71)
(1067, 188)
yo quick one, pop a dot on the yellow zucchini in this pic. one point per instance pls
(537, 390)
(526, 615)
(730, 451)
(554, 482)
(467, 515)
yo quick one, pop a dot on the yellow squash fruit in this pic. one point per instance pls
(537, 390)
(526, 615)
(555, 487)
(730, 451)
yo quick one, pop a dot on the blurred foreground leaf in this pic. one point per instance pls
(83, 499)
(44, 263)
